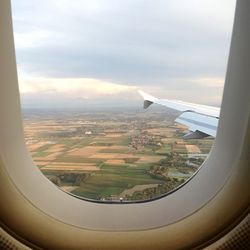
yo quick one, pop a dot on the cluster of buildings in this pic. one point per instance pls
(139, 141)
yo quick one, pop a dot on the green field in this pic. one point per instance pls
(41, 154)
(112, 180)
(164, 149)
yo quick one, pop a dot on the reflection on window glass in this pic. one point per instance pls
(80, 66)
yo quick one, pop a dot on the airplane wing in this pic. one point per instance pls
(201, 120)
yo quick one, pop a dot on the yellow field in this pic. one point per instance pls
(117, 148)
(110, 156)
(115, 135)
(168, 132)
(181, 126)
(42, 163)
(148, 158)
(55, 148)
(180, 142)
(71, 163)
(36, 127)
(192, 149)
(83, 167)
(115, 162)
(34, 147)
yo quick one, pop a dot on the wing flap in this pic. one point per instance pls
(195, 135)
(198, 122)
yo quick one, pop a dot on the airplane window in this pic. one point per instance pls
(86, 70)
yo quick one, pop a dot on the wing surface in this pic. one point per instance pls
(202, 120)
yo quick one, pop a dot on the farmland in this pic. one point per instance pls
(109, 155)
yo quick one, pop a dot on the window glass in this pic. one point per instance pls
(80, 66)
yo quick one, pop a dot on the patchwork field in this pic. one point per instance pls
(112, 181)
(107, 156)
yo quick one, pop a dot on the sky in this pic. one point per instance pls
(100, 52)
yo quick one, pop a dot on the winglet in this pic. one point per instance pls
(148, 99)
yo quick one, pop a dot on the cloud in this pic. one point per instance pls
(78, 92)
(208, 82)
(166, 44)
(33, 39)
(123, 40)
(75, 92)
(75, 87)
